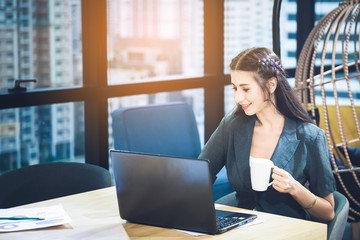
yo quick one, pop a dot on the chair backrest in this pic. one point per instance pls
(229, 200)
(50, 180)
(336, 227)
(167, 129)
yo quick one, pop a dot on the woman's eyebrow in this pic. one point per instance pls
(241, 85)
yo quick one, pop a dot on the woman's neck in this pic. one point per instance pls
(270, 118)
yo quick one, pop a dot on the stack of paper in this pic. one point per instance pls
(17, 219)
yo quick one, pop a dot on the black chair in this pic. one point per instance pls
(50, 180)
(167, 129)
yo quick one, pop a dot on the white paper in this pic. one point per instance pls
(52, 216)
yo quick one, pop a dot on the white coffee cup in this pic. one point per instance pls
(260, 169)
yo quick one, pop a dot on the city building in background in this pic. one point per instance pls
(37, 42)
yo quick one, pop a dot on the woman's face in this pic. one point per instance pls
(248, 93)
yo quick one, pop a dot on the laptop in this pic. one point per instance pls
(170, 192)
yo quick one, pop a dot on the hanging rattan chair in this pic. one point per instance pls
(332, 92)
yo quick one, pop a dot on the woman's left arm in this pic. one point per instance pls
(321, 208)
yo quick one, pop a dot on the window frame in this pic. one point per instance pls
(95, 91)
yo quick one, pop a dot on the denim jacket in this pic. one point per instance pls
(302, 151)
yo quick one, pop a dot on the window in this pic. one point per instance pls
(154, 40)
(29, 137)
(35, 134)
(241, 27)
(36, 43)
(322, 8)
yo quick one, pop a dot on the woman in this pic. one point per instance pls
(270, 123)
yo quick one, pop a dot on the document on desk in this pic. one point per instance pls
(18, 219)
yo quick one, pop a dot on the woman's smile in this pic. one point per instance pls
(245, 106)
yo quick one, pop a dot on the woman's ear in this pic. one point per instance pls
(272, 84)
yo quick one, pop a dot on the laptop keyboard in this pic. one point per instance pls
(226, 223)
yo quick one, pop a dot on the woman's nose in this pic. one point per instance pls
(238, 97)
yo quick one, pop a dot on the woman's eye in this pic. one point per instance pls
(245, 89)
(234, 88)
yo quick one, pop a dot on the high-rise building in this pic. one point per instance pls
(37, 44)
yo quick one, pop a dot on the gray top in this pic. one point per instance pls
(302, 151)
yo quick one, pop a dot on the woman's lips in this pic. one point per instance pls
(244, 107)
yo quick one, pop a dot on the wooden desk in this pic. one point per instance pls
(95, 215)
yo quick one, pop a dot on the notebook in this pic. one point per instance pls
(171, 192)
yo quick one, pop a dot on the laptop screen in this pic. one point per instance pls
(164, 191)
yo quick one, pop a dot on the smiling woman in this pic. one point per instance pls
(270, 123)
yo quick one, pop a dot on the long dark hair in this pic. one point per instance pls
(266, 64)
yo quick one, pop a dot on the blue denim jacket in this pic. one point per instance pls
(302, 151)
